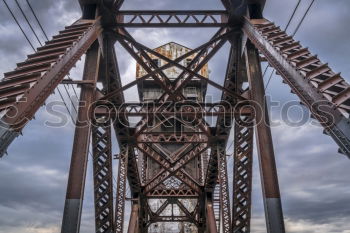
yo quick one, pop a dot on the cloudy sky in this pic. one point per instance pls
(314, 178)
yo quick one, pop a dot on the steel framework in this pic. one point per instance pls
(197, 170)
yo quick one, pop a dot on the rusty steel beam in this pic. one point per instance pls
(142, 126)
(143, 58)
(199, 49)
(173, 138)
(143, 214)
(111, 73)
(234, 79)
(148, 114)
(271, 193)
(242, 174)
(158, 157)
(134, 217)
(185, 210)
(45, 70)
(103, 177)
(76, 82)
(194, 109)
(236, 75)
(159, 216)
(211, 172)
(167, 169)
(224, 189)
(77, 172)
(325, 93)
(211, 222)
(174, 170)
(140, 58)
(178, 18)
(121, 188)
(169, 219)
(162, 207)
(111, 80)
(179, 193)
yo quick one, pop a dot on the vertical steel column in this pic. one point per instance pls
(133, 223)
(211, 217)
(224, 193)
(77, 172)
(103, 177)
(242, 177)
(142, 216)
(272, 200)
(121, 188)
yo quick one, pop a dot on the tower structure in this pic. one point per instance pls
(169, 132)
(173, 154)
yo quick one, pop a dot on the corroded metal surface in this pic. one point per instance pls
(173, 161)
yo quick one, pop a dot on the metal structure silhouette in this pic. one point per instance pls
(197, 169)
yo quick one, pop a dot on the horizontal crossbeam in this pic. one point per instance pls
(172, 19)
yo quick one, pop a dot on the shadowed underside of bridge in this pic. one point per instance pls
(172, 156)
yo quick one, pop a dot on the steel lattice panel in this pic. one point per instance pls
(242, 186)
(121, 188)
(224, 189)
(103, 178)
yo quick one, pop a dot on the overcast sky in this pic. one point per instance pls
(314, 178)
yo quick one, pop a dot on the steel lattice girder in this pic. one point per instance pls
(128, 170)
(224, 189)
(233, 80)
(179, 193)
(112, 81)
(324, 92)
(242, 177)
(121, 188)
(45, 69)
(180, 109)
(172, 19)
(103, 177)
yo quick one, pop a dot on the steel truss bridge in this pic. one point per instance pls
(251, 37)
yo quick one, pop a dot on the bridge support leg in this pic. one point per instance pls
(211, 217)
(133, 223)
(77, 172)
(272, 200)
(142, 214)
